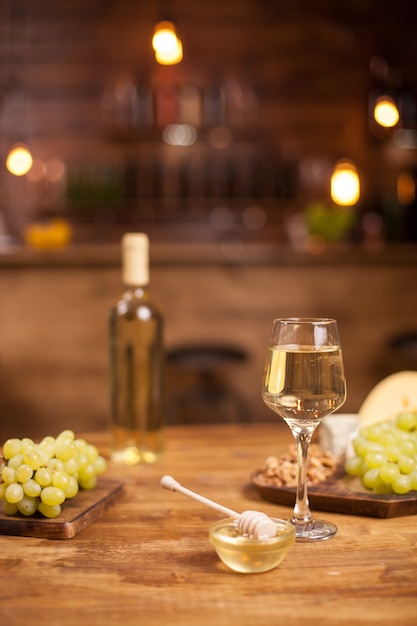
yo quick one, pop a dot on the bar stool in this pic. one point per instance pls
(206, 396)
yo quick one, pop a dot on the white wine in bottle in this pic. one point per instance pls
(136, 361)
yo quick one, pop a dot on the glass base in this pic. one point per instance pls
(316, 530)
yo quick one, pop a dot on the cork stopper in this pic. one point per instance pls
(135, 255)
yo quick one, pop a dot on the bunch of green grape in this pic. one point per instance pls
(385, 456)
(41, 476)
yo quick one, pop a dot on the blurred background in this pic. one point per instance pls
(272, 160)
(247, 127)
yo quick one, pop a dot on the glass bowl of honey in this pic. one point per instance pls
(246, 554)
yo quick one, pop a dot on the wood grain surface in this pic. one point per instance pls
(148, 559)
(76, 514)
(342, 494)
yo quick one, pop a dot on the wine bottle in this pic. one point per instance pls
(136, 361)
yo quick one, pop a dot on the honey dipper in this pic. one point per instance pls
(252, 523)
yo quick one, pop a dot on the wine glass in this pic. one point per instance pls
(303, 382)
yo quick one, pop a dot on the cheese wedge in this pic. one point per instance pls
(392, 395)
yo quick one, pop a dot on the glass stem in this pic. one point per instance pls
(302, 514)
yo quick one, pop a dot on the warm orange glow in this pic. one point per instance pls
(19, 160)
(167, 46)
(345, 184)
(386, 113)
(406, 188)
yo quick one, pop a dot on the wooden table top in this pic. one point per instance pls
(147, 559)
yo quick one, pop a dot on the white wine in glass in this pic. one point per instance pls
(303, 382)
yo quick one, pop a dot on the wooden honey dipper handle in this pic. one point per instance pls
(252, 523)
(168, 482)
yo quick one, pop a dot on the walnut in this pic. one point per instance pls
(282, 471)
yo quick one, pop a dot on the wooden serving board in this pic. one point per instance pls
(77, 513)
(341, 495)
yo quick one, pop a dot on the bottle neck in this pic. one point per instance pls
(135, 265)
(136, 291)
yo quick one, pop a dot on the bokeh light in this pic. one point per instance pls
(19, 160)
(167, 46)
(386, 113)
(345, 184)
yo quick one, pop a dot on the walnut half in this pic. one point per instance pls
(282, 471)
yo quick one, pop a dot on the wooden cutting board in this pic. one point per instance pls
(77, 514)
(341, 494)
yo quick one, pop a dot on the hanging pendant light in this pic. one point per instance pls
(167, 46)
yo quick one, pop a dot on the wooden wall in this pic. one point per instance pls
(53, 323)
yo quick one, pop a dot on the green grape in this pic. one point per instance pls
(374, 433)
(353, 465)
(8, 475)
(11, 447)
(407, 420)
(67, 434)
(402, 484)
(72, 489)
(44, 456)
(393, 452)
(100, 465)
(43, 476)
(389, 472)
(61, 480)
(401, 435)
(10, 508)
(82, 460)
(65, 451)
(14, 493)
(31, 488)
(48, 445)
(371, 478)
(388, 439)
(15, 461)
(49, 511)
(382, 488)
(40, 477)
(406, 463)
(55, 464)
(23, 473)
(88, 484)
(52, 496)
(86, 473)
(33, 458)
(27, 505)
(71, 466)
(360, 444)
(407, 447)
(374, 446)
(386, 455)
(91, 453)
(375, 459)
(413, 480)
(27, 444)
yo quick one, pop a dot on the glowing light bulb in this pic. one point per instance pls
(345, 184)
(386, 113)
(167, 46)
(19, 160)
